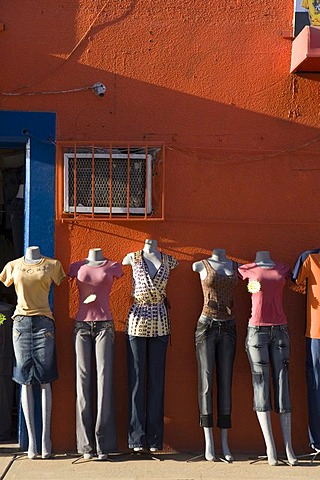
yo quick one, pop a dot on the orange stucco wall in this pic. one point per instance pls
(210, 79)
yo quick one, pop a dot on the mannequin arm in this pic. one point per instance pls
(128, 259)
(197, 266)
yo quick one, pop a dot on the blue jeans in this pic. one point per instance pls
(95, 393)
(215, 348)
(34, 349)
(269, 347)
(313, 388)
(146, 358)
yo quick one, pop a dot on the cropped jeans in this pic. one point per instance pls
(215, 343)
(313, 389)
(146, 380)
(95, 340)
(268, 347)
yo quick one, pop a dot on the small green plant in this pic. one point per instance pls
(2, 318)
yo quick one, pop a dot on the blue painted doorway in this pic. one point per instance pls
(32, 135)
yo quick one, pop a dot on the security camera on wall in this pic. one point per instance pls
(99, 89)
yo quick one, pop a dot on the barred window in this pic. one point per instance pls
(111, 181)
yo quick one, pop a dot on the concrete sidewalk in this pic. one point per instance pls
(15, 465)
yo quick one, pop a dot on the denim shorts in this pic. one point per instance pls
(34, 349)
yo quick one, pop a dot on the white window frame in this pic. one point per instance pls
(68, 208)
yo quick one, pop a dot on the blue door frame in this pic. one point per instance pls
(36, 131)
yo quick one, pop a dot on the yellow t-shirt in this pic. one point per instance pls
(314, 11)
(32, 283)
(310, 271)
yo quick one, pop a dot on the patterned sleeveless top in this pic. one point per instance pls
(148, 315)
(218, 293)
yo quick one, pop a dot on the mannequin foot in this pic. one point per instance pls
(102, 456)
(210, 455)
(228, 457)
(225, 447)
(46, 451)
(292, 459)
(137, 449)
(227, 454)
(272, 458)
(32, 454)
(88, 456)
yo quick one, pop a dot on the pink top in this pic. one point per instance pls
(267, 307)
(94, 286)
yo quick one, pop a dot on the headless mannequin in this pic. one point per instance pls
(223, 266)
(95, 258)
(33, 255)
(151, 255)
(264, 260)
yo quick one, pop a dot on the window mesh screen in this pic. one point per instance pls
(79, 172)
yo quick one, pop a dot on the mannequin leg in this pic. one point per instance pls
(224, 444)
(209, 452)
(105, 429)
(46, 407)
(265, 424)
(136, 359)
(156, 369)
(225, 354)
(285, 420)
(27, 403)
(205, 343)
(84, 408)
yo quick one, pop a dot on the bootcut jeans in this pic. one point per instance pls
(268, 348)
(215, 343)
(95, 340)
(146, 358)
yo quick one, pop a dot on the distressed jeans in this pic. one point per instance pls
(268, 349)
(215, 348)
(146, 377)
(313, 389)
(95, 340)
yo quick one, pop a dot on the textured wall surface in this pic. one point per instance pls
(210, 79)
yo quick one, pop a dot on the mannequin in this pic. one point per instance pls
(215, 340)
(95, 257)
(308, 266)
(32, 276)
(17, 221)
(148, 331)
(267, 330)
(94, 337)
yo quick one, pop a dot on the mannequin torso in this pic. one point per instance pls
(151, 255)
(218, 261)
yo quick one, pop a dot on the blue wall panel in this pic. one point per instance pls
(36, 131)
